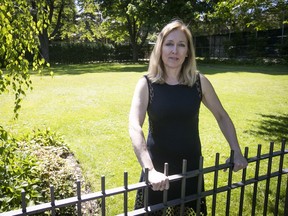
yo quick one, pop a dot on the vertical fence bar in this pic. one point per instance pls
(214, 199)
(53, 210)
(280, 170)
(244, 172)
(228, 198)
(286, 199)
(183, 187)
(146, 191)
(23, 202)
(268, 178)
(165, 192)
(103, 203)
(199, 189)
(256, 178)
(78, 183)
(126, 193)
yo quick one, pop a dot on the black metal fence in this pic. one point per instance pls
(244, 45)
(253, 180)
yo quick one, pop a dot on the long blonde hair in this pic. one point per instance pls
(156, 70)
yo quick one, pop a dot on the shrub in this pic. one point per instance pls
(80, 52)
(19, 172)
(33, 163)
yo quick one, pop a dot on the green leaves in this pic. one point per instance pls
(32, 164)
(18, 39)
(251, 15)
(16, 171)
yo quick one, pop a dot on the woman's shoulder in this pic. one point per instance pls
(205, 83)
(203, 78)
(143, 82)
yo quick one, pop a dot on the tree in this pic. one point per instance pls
(88, 21)
(58, 18)
(251, 15)
(133, 20)
(130, 21)
(18, 39)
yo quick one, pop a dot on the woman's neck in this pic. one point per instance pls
(172, 77)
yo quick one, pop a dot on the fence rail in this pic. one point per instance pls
(126, 189)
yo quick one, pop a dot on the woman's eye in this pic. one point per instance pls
(169, 44)
(182, 45)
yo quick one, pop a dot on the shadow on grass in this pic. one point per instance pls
(272, 127)
(222, 68)
(78, 69)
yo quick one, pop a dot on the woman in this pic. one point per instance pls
(171, 94)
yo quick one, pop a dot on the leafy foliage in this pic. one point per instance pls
(130, 22)
(18, 172)
(89, 19)
(32, 164)
(18, 39)
(249, 15)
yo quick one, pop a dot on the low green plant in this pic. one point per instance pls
(34, 163)
(19, 172)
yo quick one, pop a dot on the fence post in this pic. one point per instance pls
(282, 160)
(215, 184)
(230, 172)
(79, 211)
(146, 191)
(286, 199)
(23, 202)
(256, 179)
(268, 178)
(165, 192)
(52, 194)
(183, 186)
(126, 193)
(243, 182)
(200, 185)
(103, 203)
(280, 170)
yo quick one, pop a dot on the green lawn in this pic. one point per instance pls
(89, 105)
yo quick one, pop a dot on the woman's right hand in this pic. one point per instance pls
(158, 180)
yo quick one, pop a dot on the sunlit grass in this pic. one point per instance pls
(89, 106)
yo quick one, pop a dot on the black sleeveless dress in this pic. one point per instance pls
(173, 112)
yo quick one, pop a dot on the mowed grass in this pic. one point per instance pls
(89, 105)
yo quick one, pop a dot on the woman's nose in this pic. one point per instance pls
(174, 49)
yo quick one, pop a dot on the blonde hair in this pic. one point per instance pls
(156, 70)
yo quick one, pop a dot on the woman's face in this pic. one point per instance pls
(174, 50)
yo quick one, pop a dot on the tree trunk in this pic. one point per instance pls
(135, 52)
(44, 45)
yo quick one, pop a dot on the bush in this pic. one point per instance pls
(32, 164)
(19, 172)
(75, 53)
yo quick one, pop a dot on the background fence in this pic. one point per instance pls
(241, 45)
(271, 44)
(275, 171)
